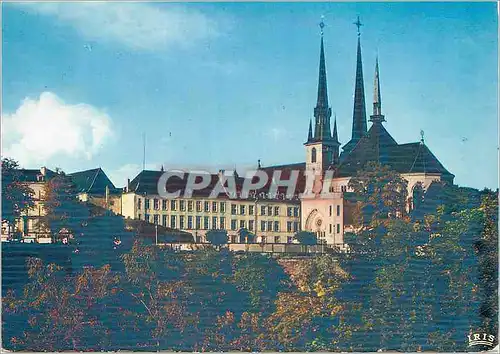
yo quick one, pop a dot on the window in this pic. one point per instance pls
(242, 224)
(276, 239)
(214, 222)
(269, 226)
(330, 228)
(190, 205)
(289, 211)
(233, 209)
(269, 210)
(156, 204)
(173, 221)
(296, 211)
(139, 204)
(262, 225)
(156, 218)
(330, 210)
(250, 210)
(173, 205)
(198, 206)
(289, 226)
(164, 205)
(338, 210)
(222, 207)
(207, 207)
(289, 239)
(198, 222)
(146, 217)
(214, 207)
(338, 228)
(276, 226)
(343, 188)
(190, 222)
(242, 210)
(222, 224)
(263, 239)
(233, 224)
(250, 225)
(313, 155)
(164, 220)
(276, 211)
(262, 210)
(146, 204)
(206, 221)
(295, 226)
(181, 222)
(182, 205)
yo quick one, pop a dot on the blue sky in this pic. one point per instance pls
(214, 84)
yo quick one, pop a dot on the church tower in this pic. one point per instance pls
(322, 148)
(359, 126)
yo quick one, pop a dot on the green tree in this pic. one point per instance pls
(218, 238)
(306, 238)
(17, 196)
(381, 194)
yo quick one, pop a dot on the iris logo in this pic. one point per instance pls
(481, 339)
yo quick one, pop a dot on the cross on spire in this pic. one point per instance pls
(358, 25)
(322, 24)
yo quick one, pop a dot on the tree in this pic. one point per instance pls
(17, 196)
(217, 237)
(380, 192)
(306, 238)
(65, 214)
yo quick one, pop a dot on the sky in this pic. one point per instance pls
(226, 84)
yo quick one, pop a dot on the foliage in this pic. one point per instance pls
(306, 238)
(17, 197)
(217, 237)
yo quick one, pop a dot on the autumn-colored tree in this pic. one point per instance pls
(380, 194)
(17, 196)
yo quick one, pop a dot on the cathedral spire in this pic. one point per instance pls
(359, 111)
(310, 135)
(377, 115)
(322, 112)
(335, 136)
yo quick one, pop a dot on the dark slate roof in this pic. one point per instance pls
(378, 145)
(31, 175)
(146, 182)
(93, 181)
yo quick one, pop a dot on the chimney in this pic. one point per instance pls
(43, 170)
(127, 188)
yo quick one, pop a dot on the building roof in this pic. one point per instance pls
(146, 183)
(32, 175)
(93, 181)
(378, 145)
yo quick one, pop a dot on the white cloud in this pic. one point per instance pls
(46, 128)
(277, 133)
(136, 25)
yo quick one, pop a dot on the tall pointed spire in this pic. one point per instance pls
(377, 115)
(310, 135)
(359, 111)
(322, 112)
(335, 136)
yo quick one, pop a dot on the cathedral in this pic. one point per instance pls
(328, 217)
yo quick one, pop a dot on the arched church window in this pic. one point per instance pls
(417, 195)
(313, 155)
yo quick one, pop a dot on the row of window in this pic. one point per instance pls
(263, 239)
(338, 228)
(205, 223)
(213, 207)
